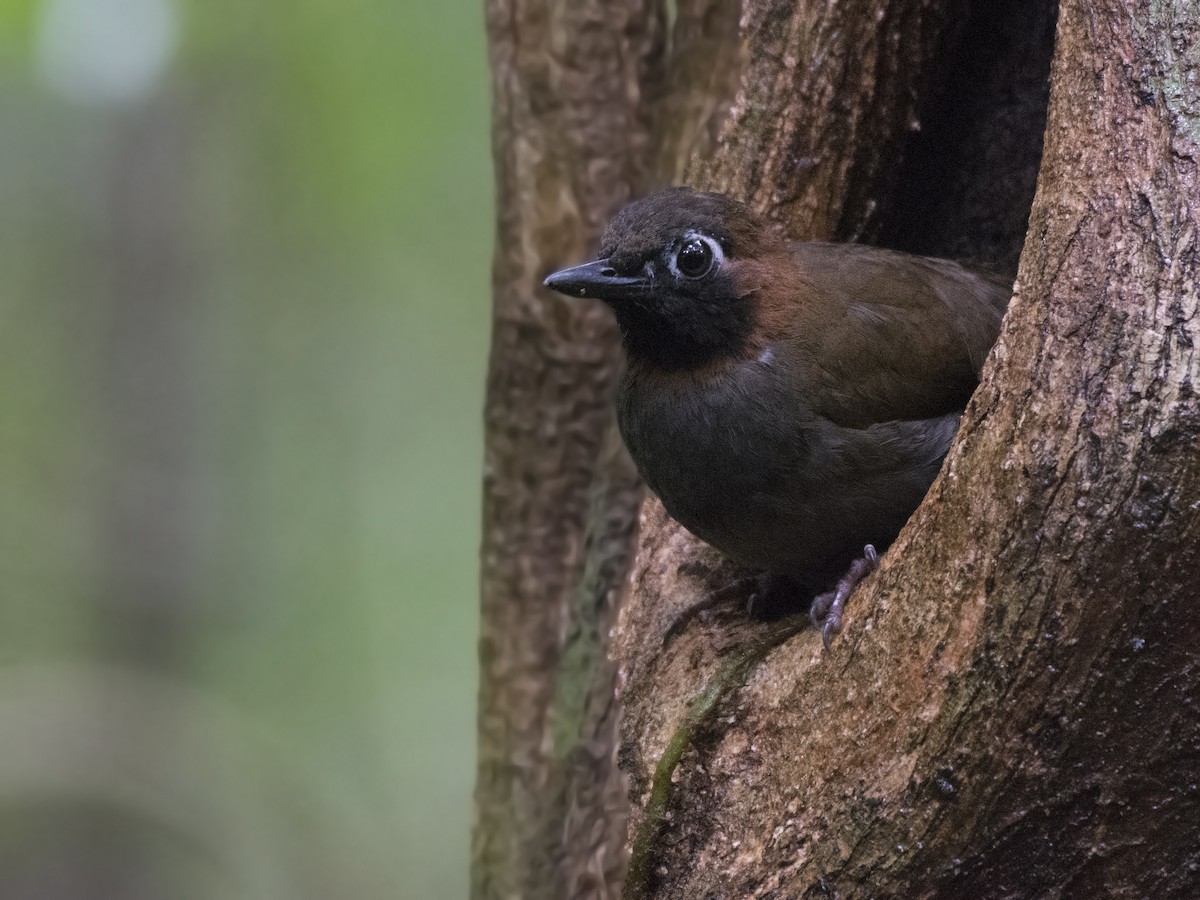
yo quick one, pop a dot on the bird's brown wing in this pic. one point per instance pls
(887, 336)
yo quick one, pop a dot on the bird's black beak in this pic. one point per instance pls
(597, 280)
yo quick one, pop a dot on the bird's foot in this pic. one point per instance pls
(714, 598)
(826, 609)
(760, 602)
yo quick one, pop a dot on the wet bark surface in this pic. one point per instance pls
(1012, 708)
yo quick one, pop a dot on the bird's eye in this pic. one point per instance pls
(696, 257)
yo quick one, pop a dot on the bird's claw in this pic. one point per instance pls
(833, 624)
(826, 609)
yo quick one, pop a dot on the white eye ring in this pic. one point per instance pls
(714, 249)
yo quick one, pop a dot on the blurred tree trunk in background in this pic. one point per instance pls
(1011, 708)
(149, 397)
(143, 388)
(148, 392)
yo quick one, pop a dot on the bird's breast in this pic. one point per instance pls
(713, 448)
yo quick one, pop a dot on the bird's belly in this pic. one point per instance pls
(794, 525)
(778, 490)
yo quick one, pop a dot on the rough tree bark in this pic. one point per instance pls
(570, 126)
(1011, 710)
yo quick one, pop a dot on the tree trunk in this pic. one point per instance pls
(1010, 710)
(571, 141)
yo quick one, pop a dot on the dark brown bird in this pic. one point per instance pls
(790, 403)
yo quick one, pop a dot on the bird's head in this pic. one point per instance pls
(678, 267)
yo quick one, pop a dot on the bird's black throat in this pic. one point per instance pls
(672, 330)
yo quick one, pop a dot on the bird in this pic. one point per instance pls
(789, 402)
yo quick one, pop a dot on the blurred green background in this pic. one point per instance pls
(243, 321)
